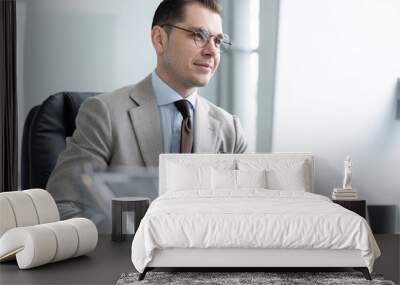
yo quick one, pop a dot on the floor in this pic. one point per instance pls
(389, 262)
(110, 260)
(95, 268)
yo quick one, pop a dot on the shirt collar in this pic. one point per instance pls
(165, 95)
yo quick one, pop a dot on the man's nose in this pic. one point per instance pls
(210, 48)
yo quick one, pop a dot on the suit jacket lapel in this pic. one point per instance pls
(206, 129)
(146, 122)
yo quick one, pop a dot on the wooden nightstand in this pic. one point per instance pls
(357, 206)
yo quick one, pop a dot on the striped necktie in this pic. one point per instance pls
(183, 107)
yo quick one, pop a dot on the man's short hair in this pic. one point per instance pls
(173, 11)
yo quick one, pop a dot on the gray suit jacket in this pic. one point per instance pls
(122, 128)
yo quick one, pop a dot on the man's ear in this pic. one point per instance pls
(159, 39)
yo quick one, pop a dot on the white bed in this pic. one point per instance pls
(220, 211)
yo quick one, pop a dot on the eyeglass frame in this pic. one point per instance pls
(227, 43)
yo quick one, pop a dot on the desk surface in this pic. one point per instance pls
(102, 266)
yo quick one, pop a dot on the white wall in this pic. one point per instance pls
(91, 45)
(337, 68)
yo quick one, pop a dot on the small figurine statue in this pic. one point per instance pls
(347, 174)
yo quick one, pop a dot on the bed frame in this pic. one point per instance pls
(234, 259)
(237, 259)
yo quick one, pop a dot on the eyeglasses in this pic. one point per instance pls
(202, 37)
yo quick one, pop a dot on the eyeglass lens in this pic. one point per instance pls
(203, 37)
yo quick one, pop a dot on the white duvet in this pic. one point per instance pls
(251, 218)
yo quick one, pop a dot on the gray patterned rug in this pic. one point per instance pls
(269, 278)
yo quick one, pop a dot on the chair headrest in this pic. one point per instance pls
(45, 131)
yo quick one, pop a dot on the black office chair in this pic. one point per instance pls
(45, 130)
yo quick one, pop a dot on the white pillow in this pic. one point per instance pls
(251, 178)
(290, 178)
(182, 177)
(223, 179)
(226, 179)
(282, 174)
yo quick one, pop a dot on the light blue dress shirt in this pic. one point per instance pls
(171, 118)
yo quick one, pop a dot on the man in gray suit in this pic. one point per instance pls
(133, 125)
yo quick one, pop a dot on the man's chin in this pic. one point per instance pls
(201, 82)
